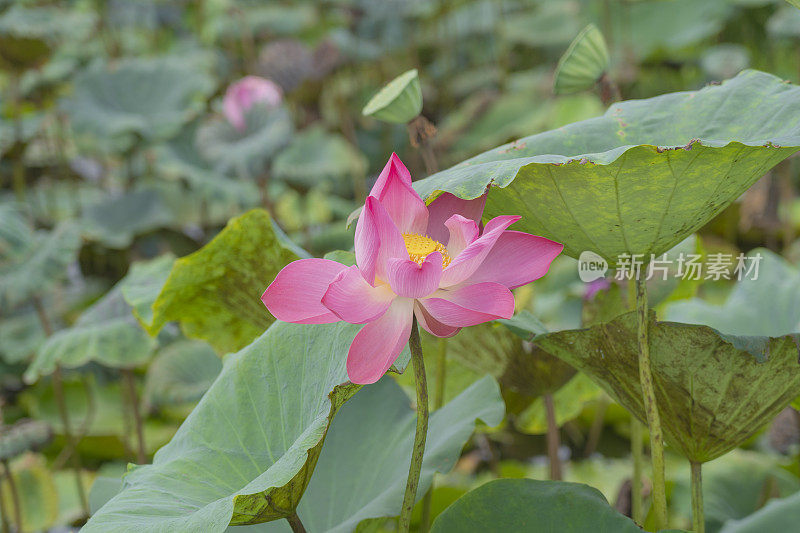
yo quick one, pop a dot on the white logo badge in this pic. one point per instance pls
(591, 266)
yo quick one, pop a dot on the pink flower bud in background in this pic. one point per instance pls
(243, 94)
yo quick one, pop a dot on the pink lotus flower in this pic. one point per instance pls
(243, 94)
(403, 269)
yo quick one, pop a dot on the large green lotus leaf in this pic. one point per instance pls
(246, 453)
(22, 335)
(777, 515)
(215, 292)
(643, 176)
(316, 156)
(362, 470)
(115, 221)
(646, 27)
(712, 396)
(106, 333)
(247, 153)
(533, 506)
(181, 373)
(762, 305)
(40, 266)
(136, 99)
(16, 232)
(524, 367)
(36, 488)
(142, 284)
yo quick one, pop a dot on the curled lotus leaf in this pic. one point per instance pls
(642, 177)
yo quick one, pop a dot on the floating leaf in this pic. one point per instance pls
(533, 506)
(247, 451)
(699, 151)
(115, 221)
(106, 333)
(712, 393)
(136, 99)
(316, 156)
(41, 265)
(399, 101)
(215, 292)
(763, 303)
(181, 373)
(247, 153)
(369, 446)
(584, 62)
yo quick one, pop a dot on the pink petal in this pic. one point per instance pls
(393, 189)
(354, 300)
(431, 325)
(447, 205)
(379, 343)
(516, 259)
(411, 280)
(296, 293)
(376, 240)
(463, 232)
(474, 254)
(234, 113)
(471, 304)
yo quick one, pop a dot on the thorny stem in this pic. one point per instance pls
(58, 390)
(12, 486)
(637, 505)
(698, 519)
(418, 451)
(130, 385)
(438, 402)
(552, 438)
(651, 408)
(295, 523)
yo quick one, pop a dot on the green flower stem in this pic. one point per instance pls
(3, 511)
(418, 451)
(441, 378)
(58, 391)
(651, 408)
(698, 518)
(12, 487)
(552, 438)
(295, 523)
(130, 385)
(637, 506)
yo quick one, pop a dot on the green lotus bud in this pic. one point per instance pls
(584, 62)
(399, 101)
